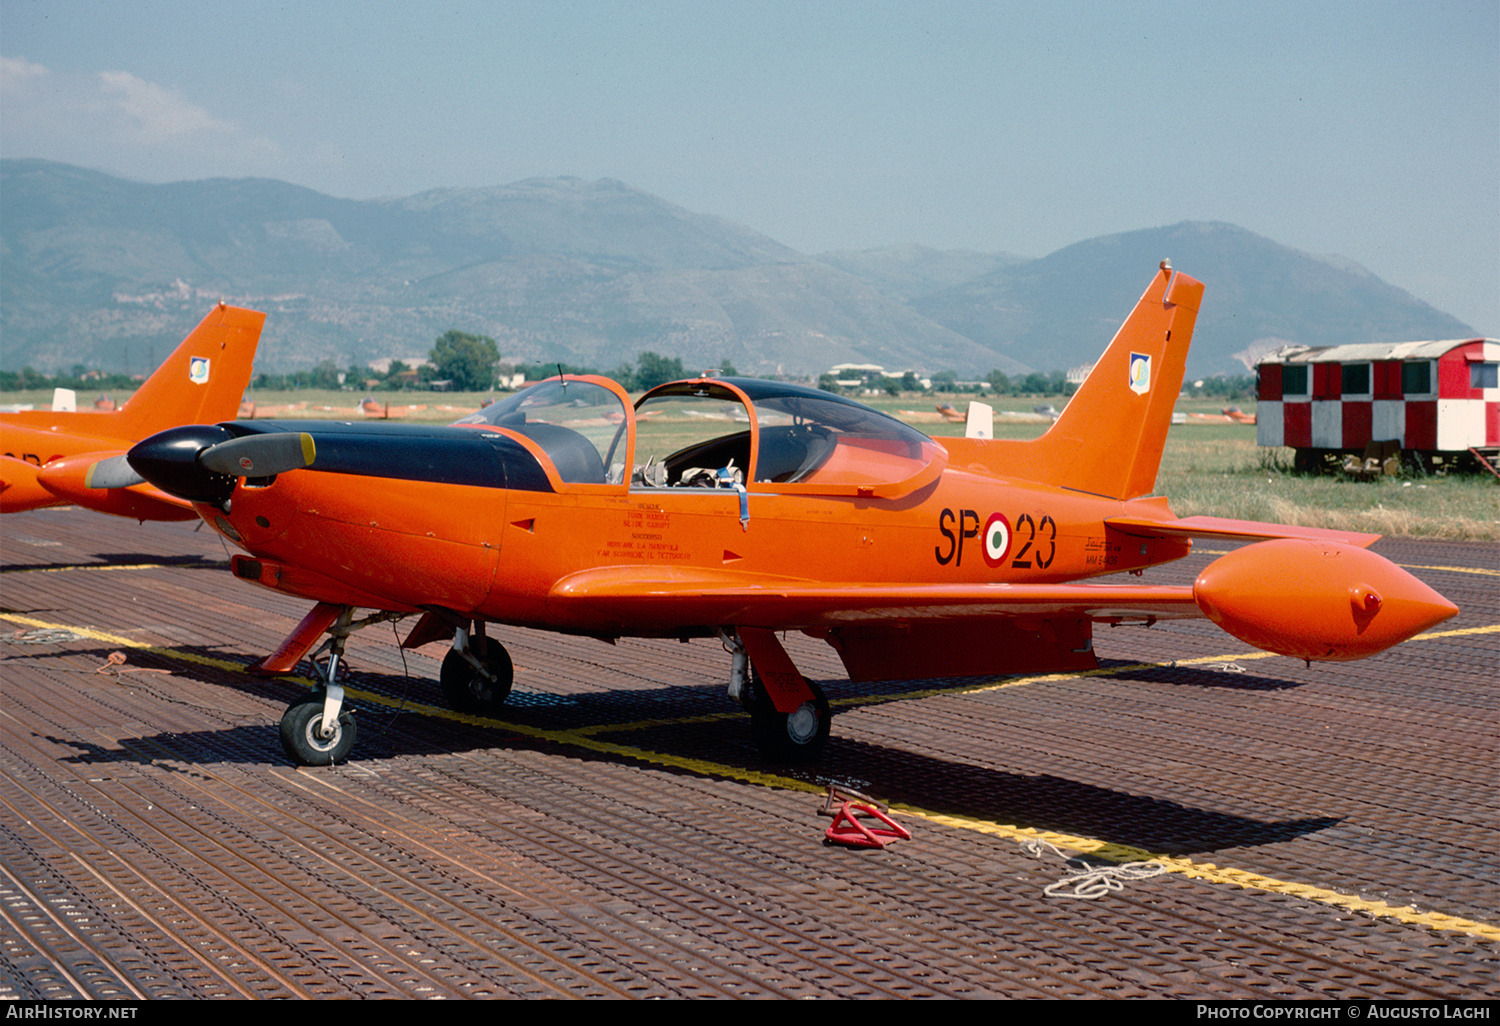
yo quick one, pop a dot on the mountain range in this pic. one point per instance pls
(111, 273)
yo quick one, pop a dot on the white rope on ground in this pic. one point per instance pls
(42, 636)
(1091, 881)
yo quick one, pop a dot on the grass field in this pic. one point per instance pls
(1218, 470)
(1212, 469)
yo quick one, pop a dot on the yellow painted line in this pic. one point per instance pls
(954, 689)
(206, 565)
(124, 642)
(1108, 671)
(1212, 873)
(1453, 569)
(583, 738)
(1454, 634)
(1206, 871)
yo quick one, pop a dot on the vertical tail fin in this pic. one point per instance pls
(1110, 438)
(202, 381)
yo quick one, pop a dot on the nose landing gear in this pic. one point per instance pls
(316, 730)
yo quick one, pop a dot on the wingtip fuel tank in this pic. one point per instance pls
(1316, 600)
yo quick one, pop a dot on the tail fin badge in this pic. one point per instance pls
(198, 370)
(1140, 373)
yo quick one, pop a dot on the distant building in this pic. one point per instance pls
(383, 365)
(1431, 397)
(858, 375)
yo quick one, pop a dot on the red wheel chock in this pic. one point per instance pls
(846, 827)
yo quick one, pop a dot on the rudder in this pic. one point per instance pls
(1109, 439)
(204, 378)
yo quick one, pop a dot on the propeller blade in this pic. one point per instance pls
(260, 455)
(114, 472)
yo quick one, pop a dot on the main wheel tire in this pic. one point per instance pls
(798, 736)
(465, 688)
(300, 739)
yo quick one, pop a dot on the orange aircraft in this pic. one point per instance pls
(1228, 415)
(66, 458)
(741, 508)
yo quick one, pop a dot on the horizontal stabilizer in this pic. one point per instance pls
(19, 487)
(1234, 530)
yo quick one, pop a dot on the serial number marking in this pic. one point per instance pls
(1098, 552)
(1037, 538)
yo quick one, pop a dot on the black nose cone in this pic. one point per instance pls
(169, 460)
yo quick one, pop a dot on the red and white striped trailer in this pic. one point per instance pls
(1439, 400)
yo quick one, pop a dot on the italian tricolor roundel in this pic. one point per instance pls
(996, 539)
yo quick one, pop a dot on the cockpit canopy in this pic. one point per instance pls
(762, 436)
(579, 423)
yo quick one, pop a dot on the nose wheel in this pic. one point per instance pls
(306, 741)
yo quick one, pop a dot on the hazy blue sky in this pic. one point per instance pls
(1369, 130)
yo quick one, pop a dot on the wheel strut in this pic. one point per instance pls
(316, 730)
(461, 646)
(333, 691)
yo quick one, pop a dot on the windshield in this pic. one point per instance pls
(579, 425)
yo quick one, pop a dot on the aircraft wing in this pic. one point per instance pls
(19, 488)
(636, 597)
(1305, 593)
(881, 631)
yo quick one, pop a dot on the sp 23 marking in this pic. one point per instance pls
(1037, 539)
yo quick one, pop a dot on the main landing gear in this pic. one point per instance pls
(477, 673)
(798, 736)
(790, 718)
